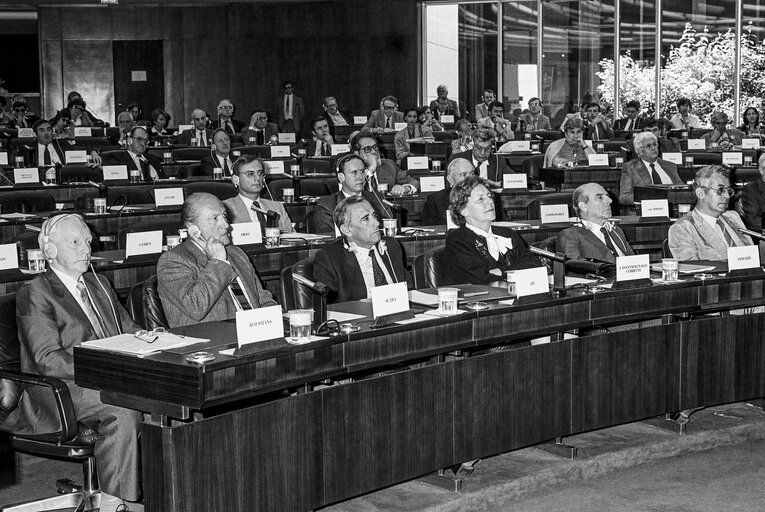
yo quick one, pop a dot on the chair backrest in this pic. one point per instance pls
(109, 157)
(704, 157)
(78, 172)
(318, 187)
(181, 154)
(222, 190)
(135, 304)
(428, 269)
(317, 166)
(153, 314)
(532, 164)
(129, 195)
(276, 188)
(665, 251)
(532, 209)
(28, 201)
(296, 295)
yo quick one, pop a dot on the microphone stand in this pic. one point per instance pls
(319, 299)
(559, 268)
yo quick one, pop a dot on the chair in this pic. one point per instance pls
(547, 135)
(109, 157)
(167, 228)
(296, 295)
(428, 267)
(145, 306)
(704, 157)
(548, 244)
(532, 209)
(318, 187)
(28, 201)
(186, 154)
(131, 195)
(317, 166)
(82, 173)
(531, 166)
(222, 190)
(74, 442)
(665, 251)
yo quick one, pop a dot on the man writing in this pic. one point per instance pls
(534, 119)
(382, 170)
(220, 154)
(646, 169)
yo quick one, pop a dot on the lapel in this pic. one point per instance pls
(709, 235)
(598, 247)
(241, 210)
(102, 304)
(354, 277)
(733, 231)
(645, 175)
(69, 303)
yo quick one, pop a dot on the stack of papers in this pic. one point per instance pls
(130, 344)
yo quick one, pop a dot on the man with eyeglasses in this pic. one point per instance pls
(385, 118)
(486, 166)
(503, 130)
(632, 121)
(289, 109)
(334, 115)
(534, 119)
(482, 109)
(259, 131)
(136, 157)
(646, 169)
(201, 131)
(753, 199)
(710, 229)
(226, 111)
(722, 137)
(20, 118)
(382, 170)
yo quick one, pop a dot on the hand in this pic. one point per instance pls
(215, 249)
(378, 130)
(399, 190)
(96, 157)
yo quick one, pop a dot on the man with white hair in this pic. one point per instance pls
(200, 131)
(226, 111)
(452, 107)
(646, 169)
(437, 203)
(722, 137)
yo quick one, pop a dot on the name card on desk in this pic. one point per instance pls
(261, 324)
(286, 138)
(143, 242)
(399, 126)
(76, 157)
(447, 119)
(740, 258)
(515, 180)
(518, 145)
(631, 268)
(417, 162)
(654, 208)
(359, 119)
(9, 256)
(732, 158)
(531, 281)
(598, 159)
(274, 166)
(674, 157)
(696, 144)
(432, 183)
(551, 213)
(243, 233)
(26, 175)
(183, 127)
(82, 131)
(115, 172)
(168, 196)
(389, 299)
(3, 158)
(450, 224)
(340, 148)
(26, 133)
(280, 151)
(750, 143)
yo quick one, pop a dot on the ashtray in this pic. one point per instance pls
(347, 328)
(200, 357)
(703, 277)
(476, 306)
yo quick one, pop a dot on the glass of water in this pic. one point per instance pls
(300, 325)
(669, 269)
(447, 300)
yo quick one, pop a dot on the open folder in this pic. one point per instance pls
(130, 344)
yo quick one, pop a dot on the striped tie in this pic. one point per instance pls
(90, 310)
(240, 298)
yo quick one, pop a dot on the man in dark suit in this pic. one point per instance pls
(632, 122)
(226, 111)
(321, 142)
(596, 125)
(437, 203)
(206, 278)
(382, 170)
(361, 259)
(57, 311)
(136, 157)
(384, 120)
(219, 155)
(201, 131)
(487, 166)
(290, 111)
(447, 106)
(259, 131)
(21, 117)
(351, 174)
(335, 116)
(125, 123)
(646, 169)
(46, 150)
(596, 238)
(753, 199)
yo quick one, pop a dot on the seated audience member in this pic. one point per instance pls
(464, 140)
(334, 115)
(200, 131)
(684, 119)
(62, 125)
(476, 252)
(570, 150)
(136, 111)
(85, 116)
(57, 311)
(125, 124)
(496, 122)
(753, 199)
(248, 206)
(708, 231)
(413, 130)
(225, 120)
(660, 128)
(21, 117)
(47, 150)
(446, 106)
(596, 125)
(631, 121)
(721, 136)
(489, 167)
(382, 170)
(159, 123)
(136, 157)
(576, 113)
(534, 119)
(482, 109)
(428, 120)
(437, 203)
(385, 118)
(289, 108)
(220, 154)
(206, 278)
(596, 238)
(751, 125)
(259, 131)
(646, 169)
(321, 142)
(361, 258)
(352, 176)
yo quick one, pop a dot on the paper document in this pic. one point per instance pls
(302, 236)
(686, 268)
(129, 344)
(341, 317)
(508, 224)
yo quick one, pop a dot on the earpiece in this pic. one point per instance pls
(49, 248)
(194, 231)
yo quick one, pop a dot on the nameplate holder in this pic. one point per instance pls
(183, 127)
(450, 224)
(674, 157)
(597, 160)
(553, 213)
(750, 143)
(256, 325)
(390, 299)
(168, 196)
(244, 233)
(632, 272)
(274, 166)
(3, 158)
(143, 243)
(82, 131)
(280, 151)
(9, 256)
(518, 145)
(115, 172)
(696, 144)
(743, 261)
(417, 162)
(399, 126)
(26, 175)
(359, 119)
(515, 181)
(26, 133)
(432, 183)
(447, 119)
(531, 282)
(338, 149)
(654, 209)
(733, 158)
(286, 138)
(76, 157)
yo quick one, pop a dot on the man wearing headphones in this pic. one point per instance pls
(200, 131)
(136, 157)
(57, 311)
(220, 154)
(206, 278)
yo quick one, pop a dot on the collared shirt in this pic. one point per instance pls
(201, 136)
(365, 263)
(481, 168)
(225, 159)
(54, 159)
(712, 221)
(338, 119)
(248, 204)
(71, 285)
(662, 174)
(319, 143)
(289, 102)
(138, 159)
(496, 244)
(596, 230)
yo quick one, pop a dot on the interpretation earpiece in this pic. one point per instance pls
(50, 250)
(194, 231)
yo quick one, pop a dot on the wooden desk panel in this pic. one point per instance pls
(570, 178)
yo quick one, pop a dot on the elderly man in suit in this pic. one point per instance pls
(361, 259)
(534, 119)
(201, 131)
(482, 109)
(248, 206)
(385, 119)
(437, 203)
(753, 199)
(290, 111)
(596, 238)
(226, 121)
(259, 131)
(220, 154)
(646, 169)
(382, 170)
(206, 279)
(57, 311)
(136, 157)
(708, 231)
(488, 166)
(334, 115)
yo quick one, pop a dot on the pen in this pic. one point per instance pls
(475, 294)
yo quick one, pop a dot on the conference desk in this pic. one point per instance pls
(569, 178)
(222, 437)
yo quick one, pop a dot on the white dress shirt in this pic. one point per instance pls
(596, 230)
(665, 179)
(54, 159)
(138, 159)
(337, 119)
(712, 221)
(365, 263)
(71, 285)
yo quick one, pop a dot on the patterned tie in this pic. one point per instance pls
(261, 216)
(655, 175)
(377, 271)
(46, 156)
(387, 123)
(240, 298)
(610, 243)
(90, 311)
(726, 235)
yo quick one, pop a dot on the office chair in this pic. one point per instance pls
(428, 267)
(296, 295)
(28, 201)
(144, 300)
(222, 190)
(533, 210)
(190, 154)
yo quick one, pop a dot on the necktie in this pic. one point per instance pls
(377, 271)
(324, 151)
(46, 156)
(145, 173)
(387, 122)
(261, 216)
(90, 311)
(201, 138)
(240, 298)
(610, 243)
(595, 135)
(373, 183)
(226, 171)
(726, 235)
(655, 175)
(259, 136)
(229, 128)
(287, 112)
(629, 125)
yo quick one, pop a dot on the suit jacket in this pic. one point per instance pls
(310, 147)
(480, 111)
(543, 122)
(238, 125)
(434, 210)
(194, 288)
(344, 113)
(621, 124)
(377, 120)
(338, 268)
(124, 158)
(184, 138)
(452, 110)
(604, 132)
(213, 161)
(298, 112)
(400, 140)
(237, 212)
(635, 173)
(56, 146)
(692, 239)
(497, 165)
(466, 259)
(388, 172)
(323, 219)
(270, 130)
(578, 242)
(753, 203)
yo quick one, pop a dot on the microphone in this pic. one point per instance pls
(99, 186)
(750, 232)
(316, 286)
(559, 267)
(554, 256)
(272, 215)
(320, 292)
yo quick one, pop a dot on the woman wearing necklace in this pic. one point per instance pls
(569, 151)
(413, 130)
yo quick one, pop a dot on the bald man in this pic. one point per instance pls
(437, 203)
(200, 131)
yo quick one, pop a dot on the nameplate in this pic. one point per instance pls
(261, 324)
(26, 133)
(417, 162)
(143, 242)
(183, 127)
(244, 233)
(274, 166)
(740, 258)
(26, 175)
(515, 180)
(531, 281)
(76, 157)
(599, 160)
(750, 143)
(338, 149)
(399, 126)
(632, 268)
(654, 208)
(518, 145)
(732, 158)
(115, 172)
(286, 138)
(168, 196)
(280, 151)
(3, 158)
(9, 256)
(82, 131)
(674, 157)
(696, 144)
(389, 299)
(359, 119)
(447, 119)
(450, 224)
(432, 183)
(551, 213)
